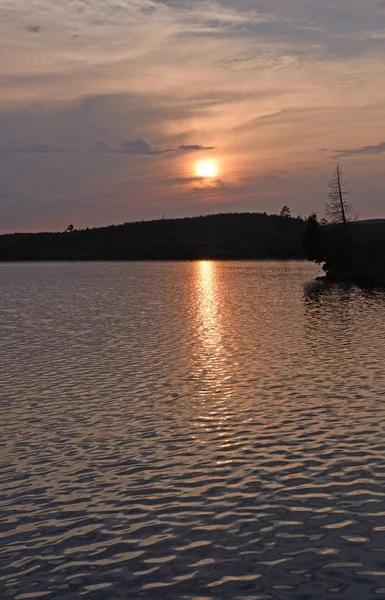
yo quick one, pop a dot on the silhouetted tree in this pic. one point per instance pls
(338, 209)
(285, 212)
(70, 228)
(313, 240)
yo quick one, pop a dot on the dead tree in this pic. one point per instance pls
(338, 209)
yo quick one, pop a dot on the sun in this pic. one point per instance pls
(206, 168)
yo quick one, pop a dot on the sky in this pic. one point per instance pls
(108, 106)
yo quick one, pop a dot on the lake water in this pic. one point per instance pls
(190, 431)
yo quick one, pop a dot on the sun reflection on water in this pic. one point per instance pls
(211, 360)
(209, 313)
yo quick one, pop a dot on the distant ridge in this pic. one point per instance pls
(217, 236)
(371, 221)
(222, 236)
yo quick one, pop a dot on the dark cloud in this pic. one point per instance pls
(191, 179)
(140, 147)
(200, 182)
(6, 198)
(136, 147)
(34, 28)
(101, 147)
(364, 150)
(18, 147)
(194, 148)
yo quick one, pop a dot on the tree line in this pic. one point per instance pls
(219, 236)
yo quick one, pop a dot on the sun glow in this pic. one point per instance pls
(206, 168)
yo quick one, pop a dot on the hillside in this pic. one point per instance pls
(220, 236)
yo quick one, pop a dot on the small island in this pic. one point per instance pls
(350, 251)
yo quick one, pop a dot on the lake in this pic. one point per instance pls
(190, 430)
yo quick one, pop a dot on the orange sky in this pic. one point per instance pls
(107, 106)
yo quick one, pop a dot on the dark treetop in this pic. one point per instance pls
(221, 236)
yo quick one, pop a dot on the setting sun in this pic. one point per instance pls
(206, 168)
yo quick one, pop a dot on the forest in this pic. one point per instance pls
(219, 236)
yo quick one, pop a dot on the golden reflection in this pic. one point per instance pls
(211, 361)
(208, 312)
(209, 319)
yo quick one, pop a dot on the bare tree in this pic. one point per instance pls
(338, 209)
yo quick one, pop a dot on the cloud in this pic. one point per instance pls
(34, 28)
(363, 151)
(6, 198)
(194, 148)
(17, 147)
(140, 147)
(137, 147)
(192, 179)
(101, 147)
(200, 183)
(271, 116)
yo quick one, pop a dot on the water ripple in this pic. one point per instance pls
(190, 431)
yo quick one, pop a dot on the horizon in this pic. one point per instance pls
(164, 218)
(130, 109)
(175, 218)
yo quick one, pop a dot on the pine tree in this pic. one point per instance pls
(285, 212)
